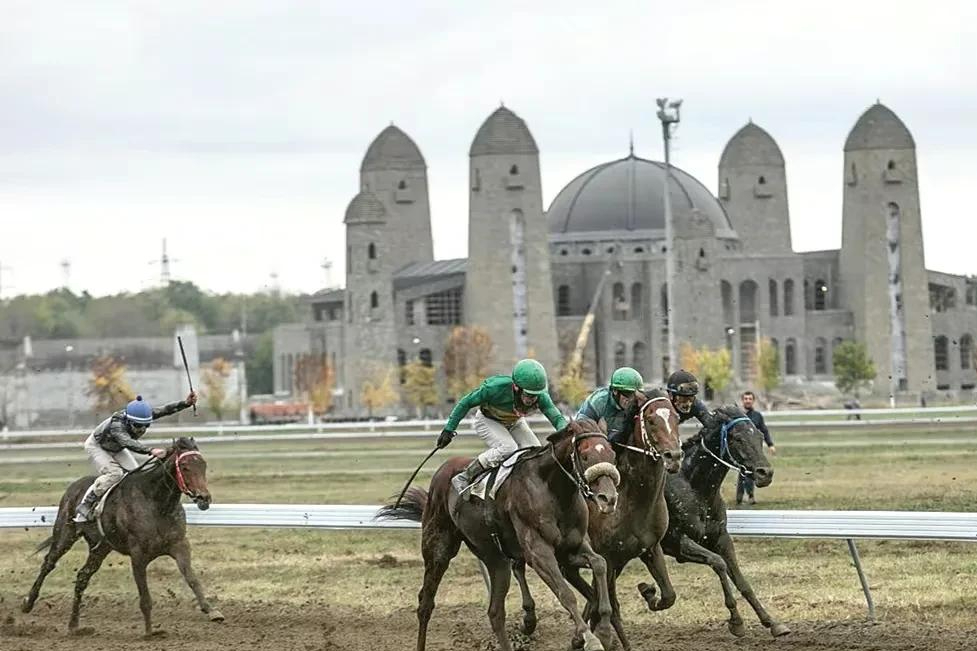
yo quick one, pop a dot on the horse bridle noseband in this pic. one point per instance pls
(724, 450)
(181, 483)
(578, 471)
(648, 448)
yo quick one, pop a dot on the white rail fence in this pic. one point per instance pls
(847, 525)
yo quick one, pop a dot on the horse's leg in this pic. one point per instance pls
(439, 544)
(64, 538)
(598, 565)
(654, 560)
(692, 552)
(725, 548)
(573, 577)
(180, 552)
(139, 563)
(96, 554)
(529, 619)
(500, 572)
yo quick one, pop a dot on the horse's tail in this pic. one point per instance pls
(411, 507)
(44, 545)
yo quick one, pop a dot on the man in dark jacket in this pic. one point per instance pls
(111, 444)
(745, 483)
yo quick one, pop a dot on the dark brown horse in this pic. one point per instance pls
(142, 518)
(697, 514)
(641, 518)
(539, 516)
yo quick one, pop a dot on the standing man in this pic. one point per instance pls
(745, 484)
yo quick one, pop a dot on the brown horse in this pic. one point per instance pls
(641, 518)
(539, 516)
(697, 514)
(141, 518)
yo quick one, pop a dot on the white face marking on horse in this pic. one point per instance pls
(664, 413)
(599, 447)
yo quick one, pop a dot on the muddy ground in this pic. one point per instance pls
(258, 626)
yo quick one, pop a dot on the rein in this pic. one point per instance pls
(578, 473)
(724, 447)
(181, 483)
(648, 448)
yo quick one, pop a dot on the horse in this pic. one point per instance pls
(697, 514)
(641, 518)
(141, 517)
(539, 516)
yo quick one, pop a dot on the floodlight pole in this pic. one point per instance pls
(668, 114)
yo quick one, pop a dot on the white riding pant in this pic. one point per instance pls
(502, 441)
(110, 466)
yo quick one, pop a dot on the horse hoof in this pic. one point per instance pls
(779, 630)
(529, 622)
(650, 594)
(81, 632)
(215, 615)
(26, 606)
(592, 643)
(158, 633)
(737, 629)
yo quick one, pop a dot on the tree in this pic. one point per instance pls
(419, 387)
(377, 391)
(713, 367)
(214, 379)
(572, 387)
(852, 366)
(467, 359)
(315, 378)
(107, 386)
(768, 367)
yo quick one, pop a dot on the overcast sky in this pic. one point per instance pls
(236, 129)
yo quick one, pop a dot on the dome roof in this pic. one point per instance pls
(626, 195)
(751, 145)
(392, 150)
(503, 132)
(879, 128)
(365, 207)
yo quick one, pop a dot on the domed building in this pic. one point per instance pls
(532, 273)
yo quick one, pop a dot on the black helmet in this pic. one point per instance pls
(683, 383)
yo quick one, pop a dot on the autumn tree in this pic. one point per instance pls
(419, 386)
(852, 366)
(315, 379)
(467, 359)
(107, 386)
(713, 367)
(214, 378)
(571, 386)
(378, 389)
(768, 367)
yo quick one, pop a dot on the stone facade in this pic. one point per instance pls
(738, 277)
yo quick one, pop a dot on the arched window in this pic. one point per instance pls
(563, 300)
(620, 301)
(820, 356)
(820, 294)
(514, 170)
(790, 357)
(639, 357)
(371, 251)
(773, 297)
(636, 294)
(788, 297)
(402, 185)
(620, 354)
(374, 300)
(966, 351)
(425, 356)
(891, 165)
(726, 290)
(663, 303)
(748, 291)
(941, 353)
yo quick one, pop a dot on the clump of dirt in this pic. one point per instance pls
(386, 561)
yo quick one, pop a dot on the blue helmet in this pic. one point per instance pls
(139, 412)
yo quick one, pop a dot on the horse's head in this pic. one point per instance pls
(188, 467)
(655, 429)
(734, 439)
(583, 448)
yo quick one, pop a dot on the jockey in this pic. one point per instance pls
(615, 403)
(682, 388)
(503, 402)
(111, 444)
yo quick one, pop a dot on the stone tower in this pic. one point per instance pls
(883, 275)
(753, 190)
(507, 288)
(388, 225)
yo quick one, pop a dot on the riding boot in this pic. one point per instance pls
(465, 477)
(86, 506)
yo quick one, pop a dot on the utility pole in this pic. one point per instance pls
(164, 267)
(327, 268)
(66, 274)
(668, 113)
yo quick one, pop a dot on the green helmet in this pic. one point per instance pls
(530, 376)
(627, 379)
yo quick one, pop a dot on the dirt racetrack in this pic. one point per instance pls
(317, 627)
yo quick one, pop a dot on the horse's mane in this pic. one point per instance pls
(651, 394)
(182, 444)
(723, 414)
(573, 428)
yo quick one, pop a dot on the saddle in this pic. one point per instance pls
(487, 484)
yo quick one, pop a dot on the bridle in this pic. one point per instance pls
(647, 447)
(577, 477)
(724, 450)
(181, 483)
